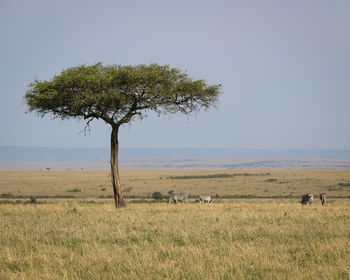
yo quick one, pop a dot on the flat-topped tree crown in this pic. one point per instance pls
(117, 94)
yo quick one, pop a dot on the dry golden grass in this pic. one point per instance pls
(240, 240)
(286, 182)
(235, 239)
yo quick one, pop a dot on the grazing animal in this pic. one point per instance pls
(307, 198)
(178, 197)
(204, 198)
(323, 198)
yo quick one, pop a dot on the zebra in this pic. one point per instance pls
(204, 198)
(307, 198)
(323, 198)
(178, 197)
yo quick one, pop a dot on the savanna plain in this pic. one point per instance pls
(63, 225)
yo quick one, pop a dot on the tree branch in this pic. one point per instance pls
(87, 126)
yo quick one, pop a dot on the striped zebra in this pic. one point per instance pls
(323, 198)
(204, 198)
(307, 198)
(178, 197)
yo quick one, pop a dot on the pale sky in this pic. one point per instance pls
(284, 67)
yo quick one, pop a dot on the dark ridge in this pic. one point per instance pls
(44, 154)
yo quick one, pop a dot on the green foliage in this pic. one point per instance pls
(116, 94)
(33, 200)
(157, 196)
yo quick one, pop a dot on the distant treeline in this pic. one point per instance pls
(10, 195)
(210, 176)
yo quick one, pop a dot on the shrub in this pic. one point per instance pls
(157, 196)
(271, 180)
(33, 200)
(74, 190)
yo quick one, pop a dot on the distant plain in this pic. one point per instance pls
(223, 183)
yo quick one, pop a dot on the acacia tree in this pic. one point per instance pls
(117, 95)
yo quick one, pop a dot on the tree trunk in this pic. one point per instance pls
(118, 195)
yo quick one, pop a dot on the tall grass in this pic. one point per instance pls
(242, 240)
(258, 231)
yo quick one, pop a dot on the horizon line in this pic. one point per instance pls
(176, 148)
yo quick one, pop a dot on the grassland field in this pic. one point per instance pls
(142, 183)
(255, 229)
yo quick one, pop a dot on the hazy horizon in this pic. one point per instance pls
(172, 148)
(41, 158)
(22, 153)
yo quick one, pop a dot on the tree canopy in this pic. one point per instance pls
(116, 94)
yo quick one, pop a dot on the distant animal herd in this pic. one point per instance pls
(183, 197)
(309, 198)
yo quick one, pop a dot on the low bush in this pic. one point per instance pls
(157, 196)
(74, 190)
(271, 180)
